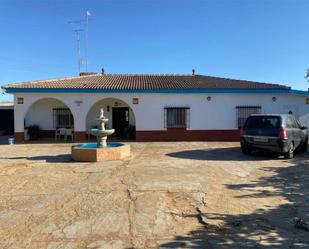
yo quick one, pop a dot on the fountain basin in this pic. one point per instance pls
(90, 152)
(97, 132)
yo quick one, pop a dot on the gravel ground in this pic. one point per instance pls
(166, 195)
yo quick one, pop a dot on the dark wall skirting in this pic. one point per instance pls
(180, 134)
(47, 133)
(176, 134)
(19, 137)
(78, 135)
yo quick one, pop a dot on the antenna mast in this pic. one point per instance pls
(79, 61)
(78, 48)
(87, 29)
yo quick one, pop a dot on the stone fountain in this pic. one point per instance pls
(101, 133)
(100, 151)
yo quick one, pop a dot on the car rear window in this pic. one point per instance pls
(263, 122)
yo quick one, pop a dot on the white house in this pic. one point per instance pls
(158, 107)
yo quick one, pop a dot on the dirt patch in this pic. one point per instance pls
(166, 195)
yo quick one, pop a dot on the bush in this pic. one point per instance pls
(129, 132)
(34, 132)
(132, 131)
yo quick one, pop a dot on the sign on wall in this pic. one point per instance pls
(135, 101)
(20, 101)
(307, 101)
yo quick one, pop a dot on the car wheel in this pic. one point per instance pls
(304, 147)
(245, 149)
(290, 153)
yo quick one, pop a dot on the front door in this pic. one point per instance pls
(121, 121)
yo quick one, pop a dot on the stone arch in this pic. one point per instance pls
(109, 105)
(49, 113)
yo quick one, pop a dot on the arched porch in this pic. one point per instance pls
(120, 114)
(49, 114)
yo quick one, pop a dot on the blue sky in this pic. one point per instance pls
(262, 40)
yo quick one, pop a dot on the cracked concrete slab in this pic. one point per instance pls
(166, 195)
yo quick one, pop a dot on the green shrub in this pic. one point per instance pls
(132, 131)
(34, 132)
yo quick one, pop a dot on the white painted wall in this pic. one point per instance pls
(41, 113)
(219, 113)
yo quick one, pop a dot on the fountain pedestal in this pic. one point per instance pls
(102, 141)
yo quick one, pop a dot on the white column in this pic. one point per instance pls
(19, 116)
(79, 114)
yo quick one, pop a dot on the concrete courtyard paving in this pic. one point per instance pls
(166, 195)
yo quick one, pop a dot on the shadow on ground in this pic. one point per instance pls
(62, 158)
(223, 154)
(283, 226)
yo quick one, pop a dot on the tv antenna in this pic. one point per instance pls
(88, 14)
(75, 21)
(77, 32)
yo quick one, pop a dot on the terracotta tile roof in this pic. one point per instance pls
(144, 82)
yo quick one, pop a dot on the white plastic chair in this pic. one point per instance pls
(60, 132)
(69, 133)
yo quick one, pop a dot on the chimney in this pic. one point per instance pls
(193, 71)
(103, 71)
(86, 73)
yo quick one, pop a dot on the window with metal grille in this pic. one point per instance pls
(243, 112)
(176, 117)
(62, 118)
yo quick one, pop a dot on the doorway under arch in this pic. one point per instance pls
(120, 114)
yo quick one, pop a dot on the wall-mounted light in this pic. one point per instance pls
(274, 99)
(208, 98)
(78, 102)
(107, 108)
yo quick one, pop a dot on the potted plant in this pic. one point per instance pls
(132, 131)
(34, 132)
(126, 132)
